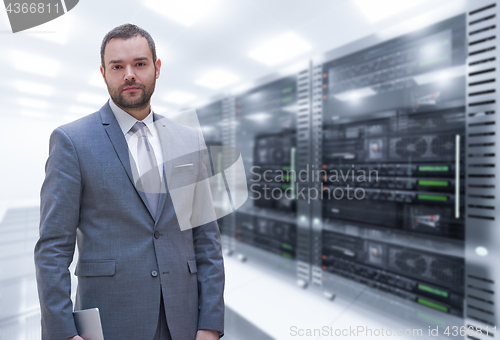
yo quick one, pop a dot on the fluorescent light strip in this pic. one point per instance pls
(280, 49)
(377, 10)
(34, 88)
(179, 97)
(36, 64)
(217, 79)
(185, 12)
(34, 114)
(34, 103)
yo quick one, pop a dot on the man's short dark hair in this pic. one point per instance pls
(127, 31)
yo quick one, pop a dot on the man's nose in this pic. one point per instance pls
(129, 73)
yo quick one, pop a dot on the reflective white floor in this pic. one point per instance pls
(263, 301)
(19, 308)
(19, 311)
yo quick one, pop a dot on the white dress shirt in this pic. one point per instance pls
(126, 121)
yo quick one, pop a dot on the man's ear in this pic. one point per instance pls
(102, 72)
(157, 68)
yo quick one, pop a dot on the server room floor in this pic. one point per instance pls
(262, 299)
(268, 302)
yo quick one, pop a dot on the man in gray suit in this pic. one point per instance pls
(149, 279)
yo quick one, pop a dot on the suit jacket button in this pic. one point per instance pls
(157, 235)
(154, 273)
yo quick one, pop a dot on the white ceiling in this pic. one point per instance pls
(222, 40)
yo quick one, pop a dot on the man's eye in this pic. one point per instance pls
(116, 67)
(141, 64)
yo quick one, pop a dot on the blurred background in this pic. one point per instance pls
(405, 90)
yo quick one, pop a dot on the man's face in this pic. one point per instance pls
(129, 73)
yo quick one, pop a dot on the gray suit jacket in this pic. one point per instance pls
(89, 199)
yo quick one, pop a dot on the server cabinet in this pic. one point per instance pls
(265, 130)
(391, 157)
(213, 119)
(481, 201)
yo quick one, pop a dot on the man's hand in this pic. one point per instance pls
(76, 337)
(207, 334)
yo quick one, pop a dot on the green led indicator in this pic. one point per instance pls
(286, 99)
(433, 290)
(288, 256)
(287, 90)
(284, 187)
(286, 168)
(433, 183)
(286, 246)
(433, 198)
(433, 305)
(433, 168)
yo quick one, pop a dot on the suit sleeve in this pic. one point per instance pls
(59, 215)
(210, 264)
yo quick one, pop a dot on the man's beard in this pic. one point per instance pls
(139, 102)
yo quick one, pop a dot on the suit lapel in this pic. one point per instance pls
(120, 145)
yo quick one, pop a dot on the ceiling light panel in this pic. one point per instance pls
(217, 79)
(382, 9)
(33, 103)
(280, 49)
(34, 114)
(36, 64)
(179, 97)
(34, 88)
(185, 12)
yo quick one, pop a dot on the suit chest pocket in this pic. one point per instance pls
(183, 167)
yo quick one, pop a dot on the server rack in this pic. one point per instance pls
(424, 232)
(385, 110)
(267, 130)
(213, 119)
(482, 192)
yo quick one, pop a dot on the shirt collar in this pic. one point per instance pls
(126, 121)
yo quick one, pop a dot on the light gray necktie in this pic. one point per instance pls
(150, 182)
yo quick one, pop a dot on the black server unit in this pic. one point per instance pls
(211, 119)
(265, 134)
(392, 166)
